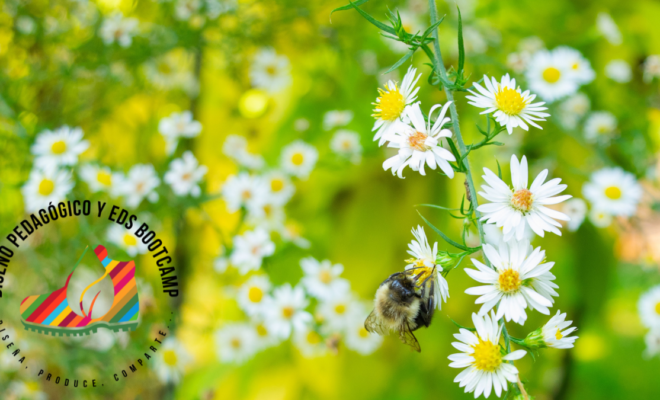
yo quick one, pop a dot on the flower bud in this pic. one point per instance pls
(534, 340)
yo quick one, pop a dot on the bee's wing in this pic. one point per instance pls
(373, 324)
(409, 338)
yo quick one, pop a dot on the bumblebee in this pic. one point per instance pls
(404, 303)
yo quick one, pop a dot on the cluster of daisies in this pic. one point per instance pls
(317, 315)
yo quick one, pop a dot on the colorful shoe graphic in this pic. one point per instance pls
(52, 314)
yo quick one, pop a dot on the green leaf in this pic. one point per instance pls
(446, 238)
(430, 29)
(368, 17)
(401, 61)
(461, 49)
(461, 326)
(347, 7)
(499, 169)
(438, 207)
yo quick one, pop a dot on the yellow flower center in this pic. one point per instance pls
(129, 240)
(261, 330)
(46, 187)
(363, 333)
(510, 101)
(32, 386)
(270, 70)
(522, 200)
(104, 178)
(325, 276)
(186, 176)
(575, 66)
(268, 210)
(558, 335)
(235, 343)
(487, 356)
(657, 308)
(551, 75)
(169, 357)
(276, 185)
(246, 195)
(346, 145)
(613, 193)
(313, 338)
(58, 147)
(390, 104)
(340, 309)
(297, 159)
(255, 294)
(417, 140)
(287, 312)
(509, 281)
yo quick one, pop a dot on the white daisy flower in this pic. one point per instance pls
(235, 343)
(309, 342)
(391, 103)
(292, 232)
(356, 337)
(240, 190)
(298, 159)
(57, 148)
(235, 147)
(264, 336)
(220, 264)
(176, 126)
(486, 368)
(549, 75)
(25, 25)
(101, 179)
(576, 209)
(185, 9)
(425, 256)
(517, 62)
(600, 126)
(519, 279)
(573, 109)
(346, 144)
(173, 70)
(171, 360)
(116, 28)
(335, 309)
(419, 143)
(267, 214)
(579, 67)
(287, 312)
(556, 330)
(495, 236)
(140, 182)
(651, 67)
(511, 107)
(250, 250)
(184, 175)
(45, 187)
(335, 118)
(652, 340)
(270, 71)
(649, 308)
(515, 207)
(126, 240)
(613, 191)
(320, 277)
(600, 218)
(280, 187)
(252, 296)
(618, 71)
(608, 28)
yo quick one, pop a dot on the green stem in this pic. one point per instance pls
(507, 341)
(440, 67)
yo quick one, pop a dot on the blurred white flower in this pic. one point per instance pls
(220, 264)
(346, 144)
(511, 107)
(25, 24)
(171, 360)
(176, 126)
(292, 233)
(391, 103)
(335, 308)
(652, 340)
(530, 44)
(287, 312)
(57, 148)
(301, 124)
(264, 336)
(101, 179)
(651, 67)
(556, 330)
(184, 9)
(494, 235)
(298, 159)
(420, 143)
(235, 343)
(649, 307)
(141, 181)
(126, 239)
(116, 28)
(309, 342)
(252, 296)
(321, 277)
(356, 337)
(250, 248)
(514, 208)
(600, 126)
(173, 71)
(335, 118)
(26, 390)
(45, 187)
(517, 62)
(486, 366)
(579, 68)
(240, 190)
(548, 75)
(425, 256)
(184, 175)
(281, 188)
(265, 213)
(576, 209)
(608, 28)
(573, 109)
(474, 41)
(613, 191)
(235, 147)
(270, 71)
(520, 279)
(618, 71)
(600, 218)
